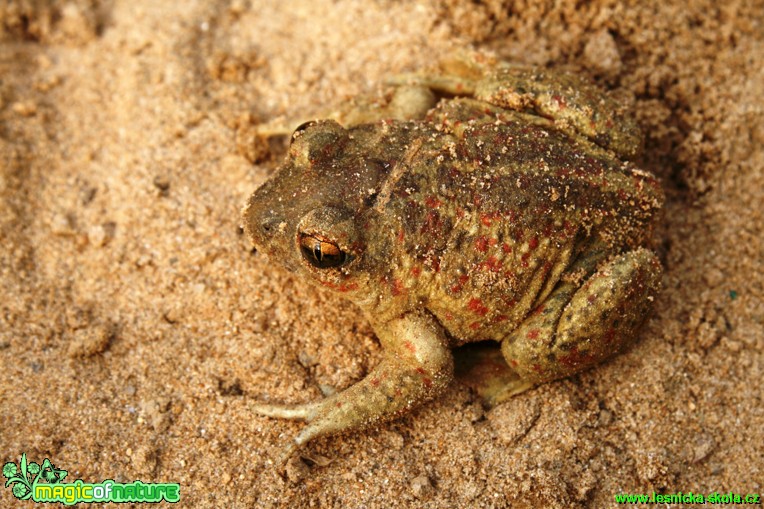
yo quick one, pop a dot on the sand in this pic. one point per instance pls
(136, 323)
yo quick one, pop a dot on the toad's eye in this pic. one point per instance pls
(301, 128)
(321, 252)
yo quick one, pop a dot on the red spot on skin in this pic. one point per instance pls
(401, 235)
(492, 264)
(506, 248)
(342, 287)
(500, 318)
(416, 271)
(561, 104)
(575, 358)
(397, 288)
(431, 223)
(591, 298)
(510, 302)
(449, 316)
(533, 334)
(458, 286)
(432, 202)
(540, 309)
(533, 243)
(489, 218)
(524, 259)
(537, 368)
(425, 380)
(519, 235)
(459, 213)
(410, 346)
(482, 243)
(476, 306)
(513, 363)
(375, 382)
(338, 404)
(434, 262)
(348, 287)
(475, 325)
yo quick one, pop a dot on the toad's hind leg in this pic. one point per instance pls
(578, 327)
(417, 366)
(576, 105)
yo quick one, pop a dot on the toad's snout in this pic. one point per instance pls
(261, 223)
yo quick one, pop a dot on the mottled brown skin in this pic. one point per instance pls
(507, 212)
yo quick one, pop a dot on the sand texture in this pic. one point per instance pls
(136, 322)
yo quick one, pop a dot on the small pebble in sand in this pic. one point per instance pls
(421, 487)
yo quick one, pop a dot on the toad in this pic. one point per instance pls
(478, 202)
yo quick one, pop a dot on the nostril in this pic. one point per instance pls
(270, 224)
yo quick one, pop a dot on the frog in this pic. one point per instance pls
(485, 202)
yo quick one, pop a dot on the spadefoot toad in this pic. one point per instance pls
(494, 202)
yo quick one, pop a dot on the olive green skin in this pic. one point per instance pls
(472, 222)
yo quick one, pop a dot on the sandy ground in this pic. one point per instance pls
(136, 322)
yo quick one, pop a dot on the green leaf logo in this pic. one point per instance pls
(24, 477)
(20, 479)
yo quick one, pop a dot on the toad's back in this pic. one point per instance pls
(487, 211)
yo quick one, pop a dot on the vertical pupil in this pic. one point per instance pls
(317, 251)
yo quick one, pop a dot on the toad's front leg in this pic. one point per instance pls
(417, 367)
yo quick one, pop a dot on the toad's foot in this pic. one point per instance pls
(400, 103)
(417, 366)
(578, 327)
(482, 368)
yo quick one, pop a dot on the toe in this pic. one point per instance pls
(295, 412)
